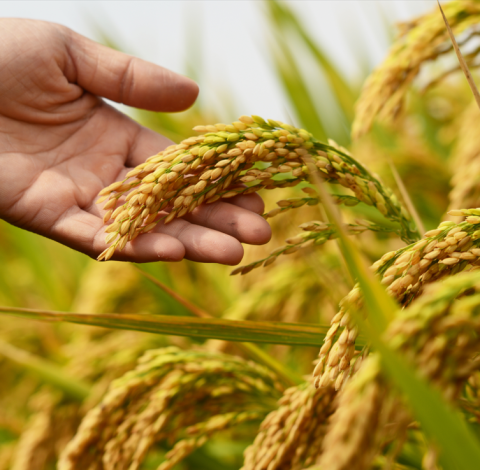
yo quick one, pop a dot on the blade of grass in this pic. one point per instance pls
(46, 371)
(197, 311)
(463, 64)
(296, 88)
(445, 426)
(372, 291)
(283, 16)
(300, 334)
(253, 351)
(406, 197)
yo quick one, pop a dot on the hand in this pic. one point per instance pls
(60, 144)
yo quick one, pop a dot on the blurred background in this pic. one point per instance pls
(302, 62)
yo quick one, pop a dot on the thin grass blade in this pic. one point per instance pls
(463, 64)
(46, 371)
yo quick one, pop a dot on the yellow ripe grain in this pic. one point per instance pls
(149, 227)
(179, 167)
(131, 232)
(182, 212)
(109, 253)
(150, 218)
(222, 163)
(133, 173)
(239, 125)
(170, 194)
(209, 154)
(212, 200)
(450, 261)
(122, 242)
(113, 227)
(246, 119)
(205, 176)
(146, 188)
(111, 237)
(234, 152)
(157, 188)
(107, 216)
(225, 171)
(110, 204)
(149, 178)
(188, 191)
(228, 181)
(216, 173)
(125, 227)
(200, 186)
(170, 217)
(122, 214)
(172, 176)
(211, 193)
(192, 206)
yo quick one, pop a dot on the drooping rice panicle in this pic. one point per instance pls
(421, 40)
(159, 401)
(439, 334)
(291, 436)
(444, 251)
(210, 167)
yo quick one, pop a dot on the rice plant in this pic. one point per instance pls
(221, 377)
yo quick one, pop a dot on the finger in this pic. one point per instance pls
(127, 79)
(146, 144)
(250, 202)
(244, 225)
(84, 232)
(203, 244)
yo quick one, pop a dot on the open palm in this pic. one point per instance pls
(60, 144)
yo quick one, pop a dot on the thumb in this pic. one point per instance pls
(126, 79)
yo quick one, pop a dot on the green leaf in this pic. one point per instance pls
(231, 330)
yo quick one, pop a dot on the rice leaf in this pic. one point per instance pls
(213, 328)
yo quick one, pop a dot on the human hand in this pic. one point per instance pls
(60, 144)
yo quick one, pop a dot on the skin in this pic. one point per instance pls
(60, 144)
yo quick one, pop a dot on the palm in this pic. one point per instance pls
(62, 145)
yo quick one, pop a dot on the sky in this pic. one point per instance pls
(229, 38)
